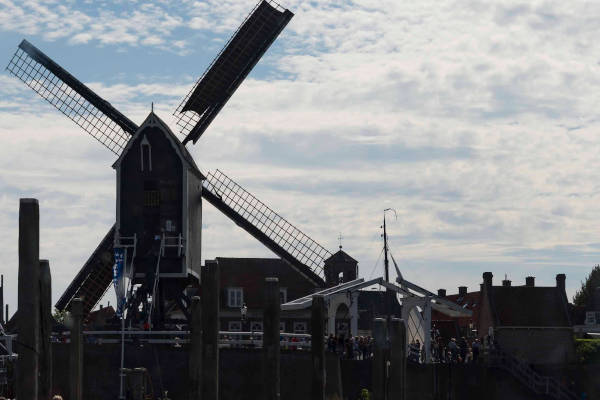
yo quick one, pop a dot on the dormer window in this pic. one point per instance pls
(146, 153)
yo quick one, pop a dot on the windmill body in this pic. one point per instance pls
(158, 218)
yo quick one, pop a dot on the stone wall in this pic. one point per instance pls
(538, 345)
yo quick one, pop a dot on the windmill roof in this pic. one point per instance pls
(340, 255)
(153, 120)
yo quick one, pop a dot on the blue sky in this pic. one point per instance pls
(475, 120)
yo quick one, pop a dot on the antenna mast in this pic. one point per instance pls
(385, 251)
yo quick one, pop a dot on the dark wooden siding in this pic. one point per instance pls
(150, 198)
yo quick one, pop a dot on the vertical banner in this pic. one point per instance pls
(119, 279)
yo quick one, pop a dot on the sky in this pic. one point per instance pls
(475, 120)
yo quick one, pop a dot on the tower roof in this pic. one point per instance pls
(340, 256)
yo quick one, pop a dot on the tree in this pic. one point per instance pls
(583, 295)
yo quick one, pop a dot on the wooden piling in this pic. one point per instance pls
(45, 363)
(28, 319)
(397, 379)
(210, 331)
(2, 299)
(76, 351)
(271, 357)
(379, 359)
(195, 353)
(317, 337)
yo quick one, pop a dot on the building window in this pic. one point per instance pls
(151, 198)
(146, 153)
(281, 326)
(234, 326)
(299, 327)
(282, 295)
(256, 326)
(235, 297)
(590, 318)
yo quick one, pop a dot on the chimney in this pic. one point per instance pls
(462, 291)
(487, 279)
(560, 281)
(506, 283)
(530, 281)
(442, 292)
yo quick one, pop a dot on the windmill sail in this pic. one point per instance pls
(268, 227)
(94, 278)
(71, 97)
(229, 69)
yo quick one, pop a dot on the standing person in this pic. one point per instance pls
(476, 347)
(331, 343)
(462, 344)
(452, 346)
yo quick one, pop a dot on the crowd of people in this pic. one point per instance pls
(454, 351)
(351, 347)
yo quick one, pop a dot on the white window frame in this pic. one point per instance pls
(300, 327)
(143, 143)
(283, 290)
(256, 326)
(234, 326)
(233, 301)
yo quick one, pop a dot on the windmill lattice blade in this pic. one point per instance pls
(71, 97)
(284, 239)
(94, 278)
(229, 69)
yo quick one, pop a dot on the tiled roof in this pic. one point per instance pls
(529, 306)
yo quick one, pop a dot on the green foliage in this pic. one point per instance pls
(587, 288)
(59, 316)
(365, 395)
(587, 350)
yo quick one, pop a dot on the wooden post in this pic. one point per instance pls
(28, 319)
(397, 379)
(2, 299)
(45, 385)
(271, 360)
(210, 331)
(76, 351)
(195, 354)
(379, 358)
(317, 323)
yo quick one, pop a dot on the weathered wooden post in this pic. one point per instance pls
(76, 351)
(45, 385)
(317, 337)
(210, 331)
(397, 378)
(28, 319)
(379, 358)
(195, 353)
(2, 299)
(271, 379)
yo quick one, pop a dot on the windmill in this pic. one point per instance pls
(162, 262)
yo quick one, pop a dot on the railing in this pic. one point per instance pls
(227, 339)
(539, 384)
